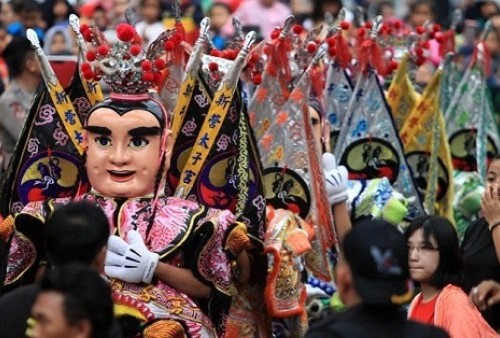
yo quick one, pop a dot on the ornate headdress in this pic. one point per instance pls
(125, 67)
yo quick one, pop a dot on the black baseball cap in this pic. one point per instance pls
(378, 258)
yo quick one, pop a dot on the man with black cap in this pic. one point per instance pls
(373, 280)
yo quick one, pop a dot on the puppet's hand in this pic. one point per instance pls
(130, 261)
(336, 179)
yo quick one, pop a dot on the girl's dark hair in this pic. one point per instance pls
(450, 269)
(318, 14)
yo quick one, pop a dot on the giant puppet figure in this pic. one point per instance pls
(171, 261)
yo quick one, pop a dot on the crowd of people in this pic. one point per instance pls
(199, 195)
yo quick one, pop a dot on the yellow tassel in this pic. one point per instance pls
(6, 228)
(238, 240)
(165, 329)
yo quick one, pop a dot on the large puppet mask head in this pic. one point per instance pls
(128, 143)
(128, 147)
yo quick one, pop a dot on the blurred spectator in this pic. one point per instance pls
(151, 25)
(372, 280)
(30, 16)
(421, 11)
(436, 263)
(24, 71)
(320, 8)
(5, 39)
(219, 14)
(7, 14)
(74, 301)
(58, 41)
(74, 233)
(271, 14)
(56, 12)
(480, 12)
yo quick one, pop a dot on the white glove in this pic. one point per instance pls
(336, 179)
(131, 262)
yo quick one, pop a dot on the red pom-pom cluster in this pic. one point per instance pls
(275, 33)
(311, 47)
(103, 50)
(344, 25)
(125, 32)
(297, 29)
(87, 33)
(213, 66)
(135, 49)
(172, 42)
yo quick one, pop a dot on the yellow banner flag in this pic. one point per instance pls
(428, 152)
(401, 95)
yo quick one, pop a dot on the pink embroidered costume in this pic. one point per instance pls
(170, 261)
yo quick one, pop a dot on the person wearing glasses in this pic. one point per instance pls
(436, 263)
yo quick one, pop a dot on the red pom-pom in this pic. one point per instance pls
(332, 51)
(177, 38)
(431, 35)
(439, 36)
(436, 27)
(137, 39)
(103, 50)
(158, 78)
(361, 32)
(344, 25)
(169, 46)
(330, 41)
(420, 61)
(146, 65)
(213, 66)
(85, 66)
(257, 79)
(426, 44)
(368, 25)
(135, 49)
(148, 77)
(268, 50)
(88, 74)
(253, 59)
(393, 65)
(311, 47)
(125, 32)
(420, 30)
(297, 29)
(397, 24)
(90, 55)
(88, 35)
(84, 27)
(160, 64)
(275, 34)
(419, 51)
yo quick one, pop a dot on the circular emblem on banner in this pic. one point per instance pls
(419, 163)
(370, 158)
(463, 149)
(217, 185)
(47, 176)
(285, 189)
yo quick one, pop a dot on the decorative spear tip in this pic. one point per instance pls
(287, 26)
(249, 40)
(457, 17)
(204, 26)
(33, 38)
(74, 21)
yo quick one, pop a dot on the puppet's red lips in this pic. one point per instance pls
(121, 175)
